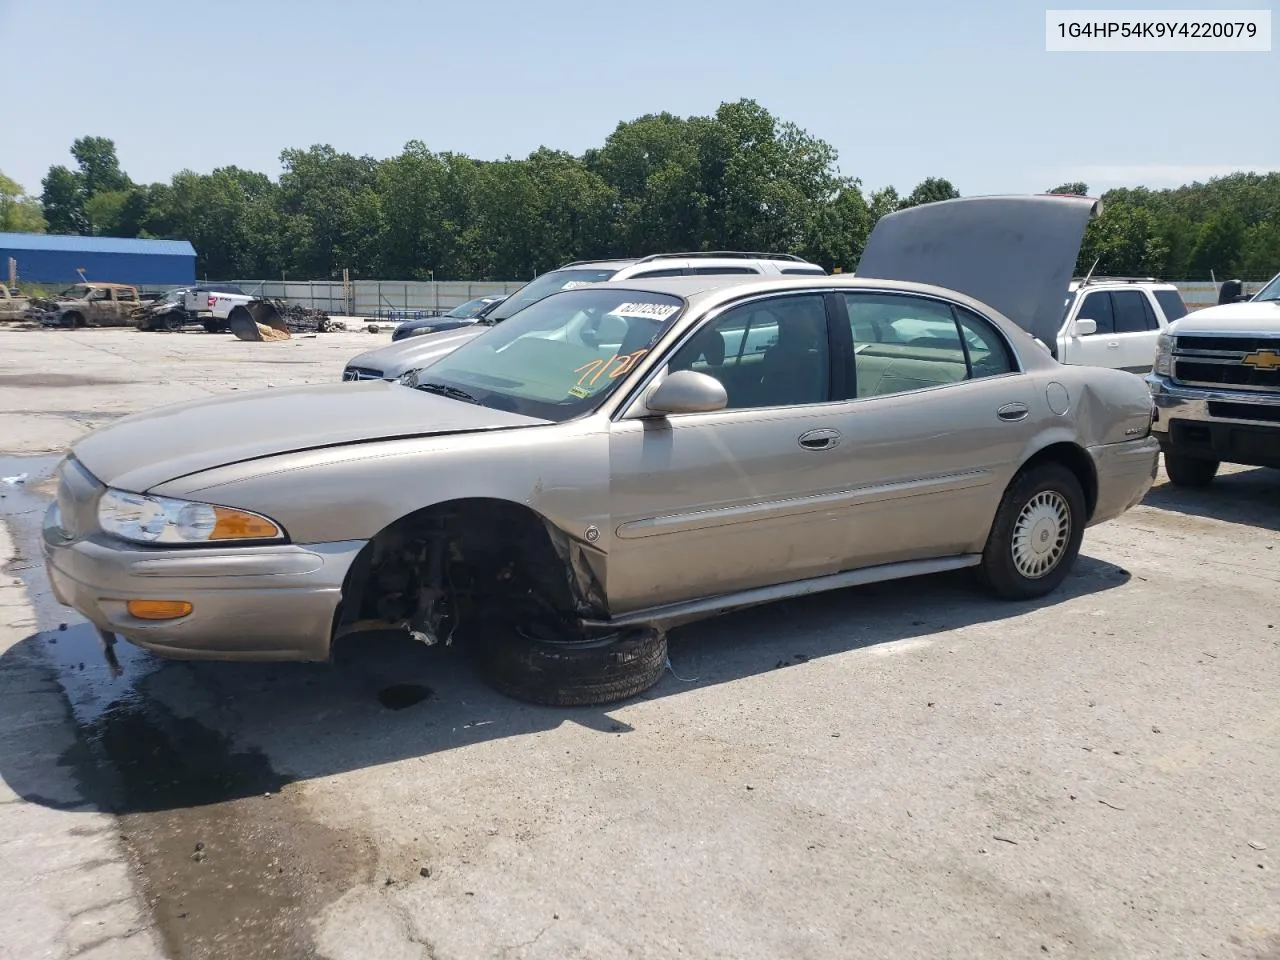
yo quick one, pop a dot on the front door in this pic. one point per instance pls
(706, 504)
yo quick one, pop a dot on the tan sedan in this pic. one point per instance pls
(619, 458)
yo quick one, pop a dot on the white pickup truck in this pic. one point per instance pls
(1116, 321)
(1216, 386)
(212, 304)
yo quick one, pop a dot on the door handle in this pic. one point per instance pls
(822, 439)
(1013, 412)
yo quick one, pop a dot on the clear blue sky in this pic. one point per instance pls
(903, 90)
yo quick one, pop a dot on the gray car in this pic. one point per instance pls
(623, 457)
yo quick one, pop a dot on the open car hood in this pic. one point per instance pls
(140, 451)
(1016, 254)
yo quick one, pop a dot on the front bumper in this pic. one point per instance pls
(248, 603)
(1232, 426)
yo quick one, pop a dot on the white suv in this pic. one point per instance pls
(1115, 322)
(388, 363)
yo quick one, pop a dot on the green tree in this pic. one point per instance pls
(1219, 246)
(99, 166)
(883, 202)
(930, 190)
(1074, 188)
(62, 200)
(1124, 241)
(19, 213)
(330, 212)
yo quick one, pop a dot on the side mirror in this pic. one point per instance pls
(1084, 327)
(687, 391)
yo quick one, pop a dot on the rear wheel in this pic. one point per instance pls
(1036, 535)
(1186, 471)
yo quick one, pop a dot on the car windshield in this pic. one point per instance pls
(464, 311)
(75, 293)
(560, 357)
(1271, 291)
(547, 284)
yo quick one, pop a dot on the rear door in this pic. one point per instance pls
(1136, 330)
(941, 417)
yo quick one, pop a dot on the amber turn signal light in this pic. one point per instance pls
(158, 609)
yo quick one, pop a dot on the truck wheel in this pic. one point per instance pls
(75, 321)
(212, 326)
(1186, 471)
(1036, 536)
(174, 322)
(570, 673)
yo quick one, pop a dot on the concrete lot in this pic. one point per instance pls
(910, 770)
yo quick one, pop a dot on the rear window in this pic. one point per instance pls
(809, 271)
(549, 283)
(1171, 304)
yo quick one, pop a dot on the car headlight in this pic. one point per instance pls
(1164, 355)
(419, 331)
(146, 519)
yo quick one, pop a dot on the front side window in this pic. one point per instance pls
(100, 295)
(1097, 307)
(902, 343)
(560, 357)
(547, 284)
(767, 353)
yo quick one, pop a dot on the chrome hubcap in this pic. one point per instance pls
(1040, 536)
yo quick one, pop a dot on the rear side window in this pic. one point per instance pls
(651, 274)
(1129, 311)
(1171, 304)
(1097, 307)
(904, 343)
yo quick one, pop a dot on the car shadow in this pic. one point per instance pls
(1249, 497)
(163, 735)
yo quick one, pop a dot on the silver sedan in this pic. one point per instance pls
(620, 458)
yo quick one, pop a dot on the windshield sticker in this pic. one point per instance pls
(579, 392)
(574, 284)
(596, 368)
(650, 311)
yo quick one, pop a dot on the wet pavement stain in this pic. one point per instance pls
(224, 851)
(398, 696)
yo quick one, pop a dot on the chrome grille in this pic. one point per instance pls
(1217, 360)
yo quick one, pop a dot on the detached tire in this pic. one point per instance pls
(576, 673)
(1036, 536)
(1189, 471)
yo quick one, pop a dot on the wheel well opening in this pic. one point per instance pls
(440, 571)
(1078, 462)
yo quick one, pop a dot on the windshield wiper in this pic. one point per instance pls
(453, 393)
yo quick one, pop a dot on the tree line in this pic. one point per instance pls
(741, 179)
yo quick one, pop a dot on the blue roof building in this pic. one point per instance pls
(54, 259)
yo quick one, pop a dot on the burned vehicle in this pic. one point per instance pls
(88, 305)
(623, 457)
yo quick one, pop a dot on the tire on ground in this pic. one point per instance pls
(1187, 471)
(1038, 491)
(570, 673)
